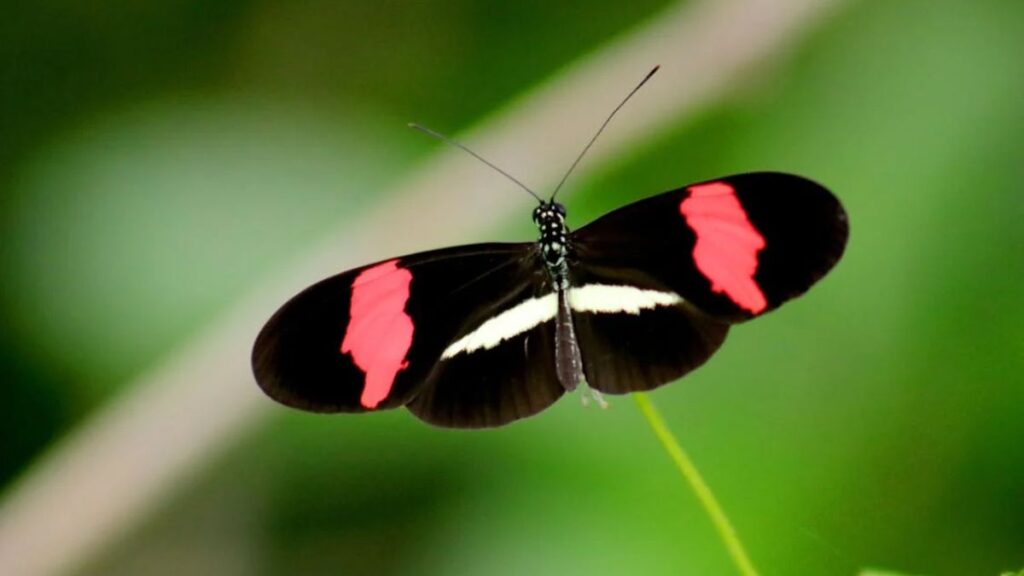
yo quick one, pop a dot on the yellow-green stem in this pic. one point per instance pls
(725, 530)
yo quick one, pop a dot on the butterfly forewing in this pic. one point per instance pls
(370, 338)
(735, 247)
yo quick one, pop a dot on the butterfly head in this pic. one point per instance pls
(548, 212)
(550, 219)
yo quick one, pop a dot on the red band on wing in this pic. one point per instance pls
(379, 332)
(727, 243)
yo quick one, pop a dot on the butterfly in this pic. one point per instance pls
(485, 334)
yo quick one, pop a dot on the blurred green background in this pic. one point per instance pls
(157, 159)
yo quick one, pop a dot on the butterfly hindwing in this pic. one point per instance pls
(370, 338)
(635, 333)
(735, 247)
(500, 366)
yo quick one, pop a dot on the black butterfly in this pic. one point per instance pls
(481, 335)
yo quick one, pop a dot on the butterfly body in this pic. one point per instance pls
(482, 335)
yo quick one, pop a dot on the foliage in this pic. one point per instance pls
(158, 161)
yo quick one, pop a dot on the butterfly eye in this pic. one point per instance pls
(560, 208)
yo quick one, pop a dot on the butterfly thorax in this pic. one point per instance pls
(550, 220)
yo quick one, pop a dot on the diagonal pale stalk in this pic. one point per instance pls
(109, 473)
(700, 488)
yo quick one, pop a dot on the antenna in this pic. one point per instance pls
(448, 140)
(601, 129)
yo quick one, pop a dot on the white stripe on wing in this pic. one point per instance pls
(530, 313)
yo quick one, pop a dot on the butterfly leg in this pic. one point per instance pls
(593, 394)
